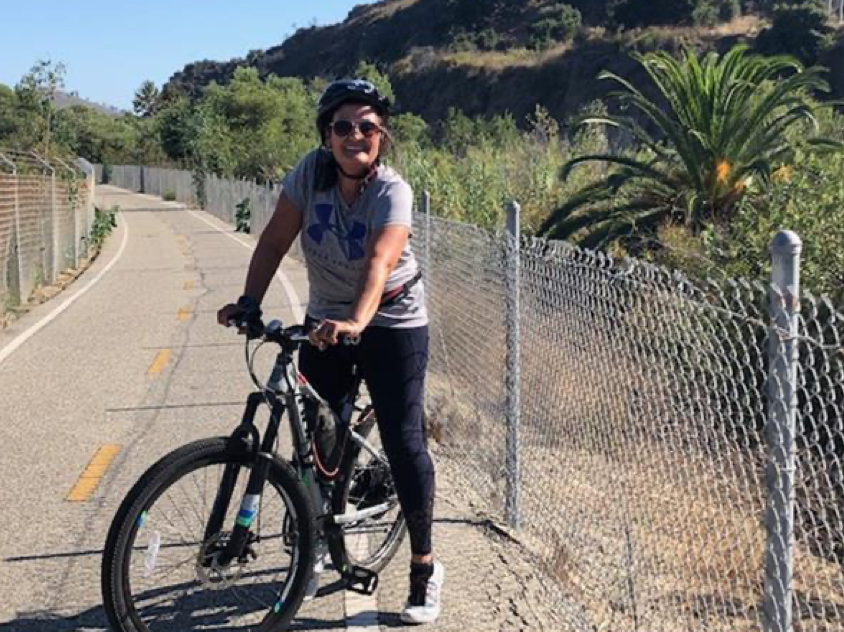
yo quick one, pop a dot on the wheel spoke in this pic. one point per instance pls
(180, 592)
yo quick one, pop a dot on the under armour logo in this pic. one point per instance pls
(351, 241)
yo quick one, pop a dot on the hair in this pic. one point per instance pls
(326, 166)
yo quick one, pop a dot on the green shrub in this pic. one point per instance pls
(809, 201)
(488, 39)
(705, 14)
(477, 165)
(729, 10)
(408, 128)
(801, 30)
(243, 216)
(462, 41)
(169, 195)
(559, 24)
(104, 222)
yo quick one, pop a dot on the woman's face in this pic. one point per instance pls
(356, 151)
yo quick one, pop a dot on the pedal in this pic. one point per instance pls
(361, 580)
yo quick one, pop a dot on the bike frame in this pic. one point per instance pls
(281, 395)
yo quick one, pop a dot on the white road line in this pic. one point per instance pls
(292, 296)
(26, 335)
(361, 611)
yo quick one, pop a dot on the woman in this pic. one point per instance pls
(354, 215)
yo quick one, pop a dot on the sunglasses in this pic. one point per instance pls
(343, 128)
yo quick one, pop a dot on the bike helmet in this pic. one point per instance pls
(343, 91)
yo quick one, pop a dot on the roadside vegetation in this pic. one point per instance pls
(693, 161)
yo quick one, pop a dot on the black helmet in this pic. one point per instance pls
(343, 90)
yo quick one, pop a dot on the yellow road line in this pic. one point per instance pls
(183, 314)
(91, 475)
(160, 361)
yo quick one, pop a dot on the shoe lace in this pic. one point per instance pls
(423, 591)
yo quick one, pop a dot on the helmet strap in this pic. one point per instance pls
(350, 176)
(364, 179)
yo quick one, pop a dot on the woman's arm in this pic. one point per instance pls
(382, 256)
(273, 244)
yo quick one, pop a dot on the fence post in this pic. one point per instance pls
(426, 271)
(780, 430)
(54, 219)
(73, 173)
(513, 265)
(426, 246)
(15, 293)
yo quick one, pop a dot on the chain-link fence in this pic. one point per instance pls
(46, 214)
(669, 451)
(218, 196)
(647, 435)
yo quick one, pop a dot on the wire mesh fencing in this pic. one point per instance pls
(46, 214)
(169, 184)
(242, 203)
(668, 450)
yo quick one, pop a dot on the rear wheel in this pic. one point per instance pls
(160, 568)
(365, 482)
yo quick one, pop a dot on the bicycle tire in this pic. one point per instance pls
(370, 543)
(200, 598)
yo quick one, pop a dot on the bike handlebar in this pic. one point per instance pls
(274, 331)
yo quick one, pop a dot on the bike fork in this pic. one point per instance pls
(235, 548)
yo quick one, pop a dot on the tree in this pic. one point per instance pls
(176, 127)
(36, 93)
(370, 72)
(721, 132)
(8, 115)
(146, 101)
(799, 29)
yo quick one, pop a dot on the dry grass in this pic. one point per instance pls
(749, 25)
(644, 513)
(501, 60)
(386, 10)
(744, 25)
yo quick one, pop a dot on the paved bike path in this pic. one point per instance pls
(138, 362)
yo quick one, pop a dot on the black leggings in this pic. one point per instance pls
(392, 362)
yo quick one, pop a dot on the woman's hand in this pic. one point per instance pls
(329, 332)
(228, 313)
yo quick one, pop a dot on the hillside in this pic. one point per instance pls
(65, 100)
(490, 56)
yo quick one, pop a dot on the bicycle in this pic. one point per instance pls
(234, 531)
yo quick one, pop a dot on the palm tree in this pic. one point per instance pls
(146, 99)
(722, 129)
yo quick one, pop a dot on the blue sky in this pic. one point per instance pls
(109, 48)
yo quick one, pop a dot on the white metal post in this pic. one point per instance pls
(513, 266)
(780, 431)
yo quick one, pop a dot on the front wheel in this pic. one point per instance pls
(161, 569)
(365, 483)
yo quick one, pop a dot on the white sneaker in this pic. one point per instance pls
(429, 610)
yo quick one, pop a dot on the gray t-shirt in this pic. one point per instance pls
(335, 237)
